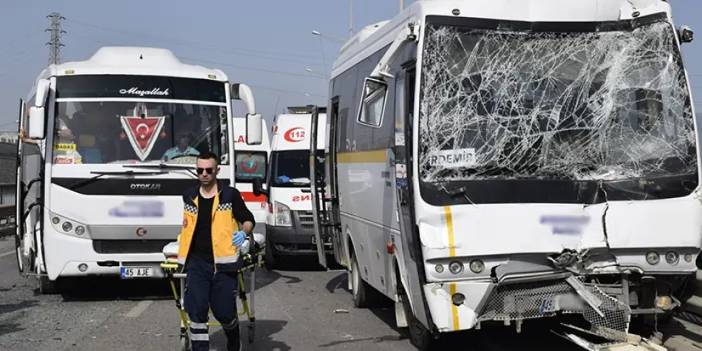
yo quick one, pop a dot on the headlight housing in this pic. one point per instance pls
(67, 226)
(281, 214)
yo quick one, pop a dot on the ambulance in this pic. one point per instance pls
(290, 224)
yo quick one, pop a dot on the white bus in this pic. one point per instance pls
(290, 225)
(504, 160)
(107, 148)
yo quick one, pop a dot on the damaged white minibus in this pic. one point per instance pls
(505, 160)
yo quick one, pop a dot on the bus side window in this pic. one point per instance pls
(373, 103)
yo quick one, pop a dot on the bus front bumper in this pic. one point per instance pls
(68, 256)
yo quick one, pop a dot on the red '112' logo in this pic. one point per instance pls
(295, 135)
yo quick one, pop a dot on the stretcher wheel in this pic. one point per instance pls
(184, 343)
(252, 333)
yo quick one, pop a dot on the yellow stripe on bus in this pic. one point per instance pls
(454, 308)
(451, 235)
(372, 156)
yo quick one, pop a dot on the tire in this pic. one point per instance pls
(47, 286)
(184, 343)
(18, 253)
(364, 295)
(418, 334)
(269, 258)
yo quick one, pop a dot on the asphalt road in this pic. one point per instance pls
(299, 308)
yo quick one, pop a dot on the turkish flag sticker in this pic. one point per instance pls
(142, 133)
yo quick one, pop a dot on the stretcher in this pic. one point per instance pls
(176, 279)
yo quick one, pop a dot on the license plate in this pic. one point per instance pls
(136, 272)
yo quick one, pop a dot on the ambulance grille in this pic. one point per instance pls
(306, 218)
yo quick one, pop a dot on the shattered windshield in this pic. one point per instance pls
(607, 104)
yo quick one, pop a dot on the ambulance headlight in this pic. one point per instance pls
(67, 226)
(80, 230)
(55, 220)
(281, 214)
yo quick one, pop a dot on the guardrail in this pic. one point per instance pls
(7, 220)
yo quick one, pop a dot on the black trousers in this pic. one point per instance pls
(205, 290)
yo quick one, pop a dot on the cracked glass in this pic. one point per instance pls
(603, 105)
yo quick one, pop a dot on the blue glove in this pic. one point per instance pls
(239, 238)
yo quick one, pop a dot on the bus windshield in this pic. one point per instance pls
(90, 132)
(514, 100)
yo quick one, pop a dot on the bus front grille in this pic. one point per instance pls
(520, 301)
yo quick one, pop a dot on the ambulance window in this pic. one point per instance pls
(373, 103)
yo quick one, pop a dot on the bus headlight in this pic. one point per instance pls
(477, 266)
(67, 226)
(672, 257)
(281, 214)
(653, 258)
(439, 268)
(456, 267)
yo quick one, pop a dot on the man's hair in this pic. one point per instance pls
(208, 155)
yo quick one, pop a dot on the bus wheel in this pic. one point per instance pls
(47, 286)
(364, 295)
(418, 334)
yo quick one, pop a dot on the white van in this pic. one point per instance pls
(251, 163)
(290, 225)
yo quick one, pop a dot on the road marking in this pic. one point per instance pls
(7, 253)
(137, 310)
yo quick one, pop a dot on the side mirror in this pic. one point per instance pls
(42, 92)
(254, 129)
(36, 123)
(686, 34)
(258, 187)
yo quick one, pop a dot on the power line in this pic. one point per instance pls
(277, 56)
(55, 43)
(252, 68)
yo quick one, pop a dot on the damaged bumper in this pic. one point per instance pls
(606, 302)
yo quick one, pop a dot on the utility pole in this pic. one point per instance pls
(54, 43)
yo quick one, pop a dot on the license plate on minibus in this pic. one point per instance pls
(136, 272)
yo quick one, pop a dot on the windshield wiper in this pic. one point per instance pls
(100, 174)
(456, 192)
(165, 167)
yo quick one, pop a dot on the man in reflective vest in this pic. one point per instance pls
(210, 243)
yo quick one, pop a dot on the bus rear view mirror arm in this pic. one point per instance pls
(381, 69)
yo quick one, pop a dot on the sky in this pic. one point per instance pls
(267, 44)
